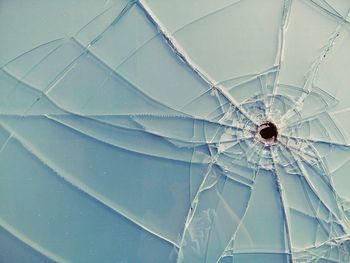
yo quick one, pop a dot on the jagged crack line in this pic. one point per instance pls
(335, 15)
(118, 17)
(80, 186)
(314, 190)
(193, 208)
(205, 16)
(308, 84)
(116, 20)
(284, 208)
(123, 78)
(111, 144)
(180, 53)
(240, 224)
(177, 30)
(30, 243)
(314, 140)
(31, 50)
(213, 220)
(281, 48)
(21, 79)
(93, 117)
(328, 182)
(62, 73)
(115, 74)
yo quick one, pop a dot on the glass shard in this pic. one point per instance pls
(175, 131)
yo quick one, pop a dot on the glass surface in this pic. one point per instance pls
(175, 131)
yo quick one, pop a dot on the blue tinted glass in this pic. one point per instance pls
(174, 131)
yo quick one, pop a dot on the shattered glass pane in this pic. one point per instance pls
(175, 131)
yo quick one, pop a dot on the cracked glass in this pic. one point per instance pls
(175, 131)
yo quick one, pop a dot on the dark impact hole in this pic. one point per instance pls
(269, 132)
